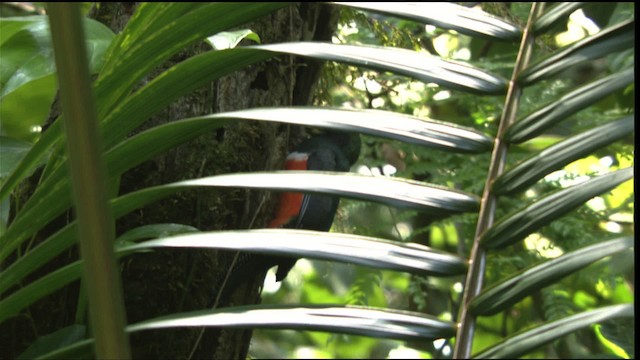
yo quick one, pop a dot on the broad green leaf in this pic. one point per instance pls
(30, 161)
(367, 321)
(27, 68)
(56, 340)
(526, 282)
(560, 154)
(525, 221)
(523, 342)
(347, 248)
(11, 25)
(420, 66)
(550, 115)
(25, 110)
(231, 39)
(554, 15)
(452, 16)
(28, 55)
(616, 38)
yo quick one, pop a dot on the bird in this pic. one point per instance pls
(329, 151)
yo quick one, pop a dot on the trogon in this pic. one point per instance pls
(329, 151)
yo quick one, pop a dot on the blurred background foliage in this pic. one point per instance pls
(607, 282)
(611, 215)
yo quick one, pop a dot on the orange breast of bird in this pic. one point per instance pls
(289, 203)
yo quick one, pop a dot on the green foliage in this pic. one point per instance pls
(587, 301)
(366, 89)
(27, 71)
(63, 337)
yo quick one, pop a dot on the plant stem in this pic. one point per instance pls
(88, 177)
(477, 258)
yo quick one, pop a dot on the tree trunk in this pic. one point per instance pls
(163, 282)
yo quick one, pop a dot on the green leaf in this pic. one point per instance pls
(354, 249)
(548, 116)
(66, 237)
(27, 69)
(346, 248)
(149, 18)
(620, 333)
(526, 282)
(43, 286)
(367, 321)
(394, 192)
(24, 111)
(152, 231)
(28, 54)
(161, 91)
(56, 340)
(231, 39)
(559, 12)
(432, 199)
(456, 17)
(177, 81)
(410, 129)
(525, 221)
(53, 198)
(161, 40)
(420, 66)
(38, 257)
(523, 342)
(616, 38)
(184, 78)
(11, 152)
(4, 215)
(9, 26)
(385, 323)
(30, 161)
(556, 156)
(121, 73)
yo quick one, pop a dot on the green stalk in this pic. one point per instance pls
(88, 177)
(477, 258)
